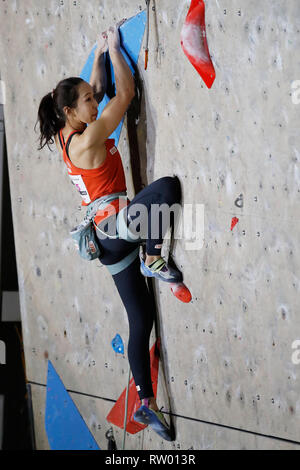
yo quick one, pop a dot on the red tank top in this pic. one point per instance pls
(108, 178)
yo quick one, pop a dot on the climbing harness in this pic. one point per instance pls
(84, 234)
(86, 240)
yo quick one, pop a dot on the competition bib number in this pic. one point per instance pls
(79, 183)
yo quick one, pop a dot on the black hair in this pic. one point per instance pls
(51, 116)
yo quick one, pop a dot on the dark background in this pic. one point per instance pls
(16, 419)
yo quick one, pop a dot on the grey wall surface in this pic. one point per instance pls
(228, 354)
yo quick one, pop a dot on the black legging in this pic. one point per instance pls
(132, 286)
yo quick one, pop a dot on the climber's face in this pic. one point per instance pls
(86, 109)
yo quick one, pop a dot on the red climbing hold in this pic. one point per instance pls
(180, 291)
(117, 413)
(194, 43)
(234, 221)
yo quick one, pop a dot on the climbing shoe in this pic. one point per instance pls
(161, 271)
(155, 419)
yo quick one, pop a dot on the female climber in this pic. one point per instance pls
(69, 115)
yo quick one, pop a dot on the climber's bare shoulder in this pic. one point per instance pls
(81, 154)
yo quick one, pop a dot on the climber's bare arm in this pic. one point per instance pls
(98, 78)
(98, 131)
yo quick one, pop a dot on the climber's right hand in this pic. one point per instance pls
(113, 36)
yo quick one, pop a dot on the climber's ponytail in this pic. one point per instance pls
(51, 115)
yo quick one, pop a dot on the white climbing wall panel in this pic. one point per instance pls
(235, 148)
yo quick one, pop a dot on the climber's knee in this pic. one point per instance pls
(171, 189)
